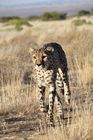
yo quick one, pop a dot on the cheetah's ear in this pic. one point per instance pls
(50, 49)
(31, 50)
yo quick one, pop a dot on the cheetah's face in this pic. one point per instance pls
(40, 56)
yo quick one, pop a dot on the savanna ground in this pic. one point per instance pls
(20, 118)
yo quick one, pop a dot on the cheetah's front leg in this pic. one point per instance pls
(52, 93)
(42, 98)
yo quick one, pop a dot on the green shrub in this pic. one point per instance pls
(79, 22)
(18, 23)
(33, 17)
(6, 19)
(83, 13)
(53, 16)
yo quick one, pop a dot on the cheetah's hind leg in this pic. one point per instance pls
(60, 111)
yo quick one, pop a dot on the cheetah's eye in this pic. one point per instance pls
(34, 57)
(44, 57)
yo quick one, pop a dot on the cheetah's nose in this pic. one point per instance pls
(38, 64)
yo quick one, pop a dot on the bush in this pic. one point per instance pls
(53, 16)
(79, 22)
(18, 23)
(6, 19)
(33, 18)
(83, 13)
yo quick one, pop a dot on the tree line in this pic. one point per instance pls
(47, 16)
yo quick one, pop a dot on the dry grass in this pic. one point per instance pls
(81, 129)
(18, 98)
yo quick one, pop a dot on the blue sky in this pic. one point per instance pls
(19, 2)
(14, 2)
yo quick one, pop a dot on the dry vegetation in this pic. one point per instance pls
(19, 112)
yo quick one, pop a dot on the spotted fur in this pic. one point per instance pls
(51, 69)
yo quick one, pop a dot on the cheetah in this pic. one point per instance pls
(52, 72)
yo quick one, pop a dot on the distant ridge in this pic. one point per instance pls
(24, 10)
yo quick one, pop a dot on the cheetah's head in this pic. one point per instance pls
(40, 56)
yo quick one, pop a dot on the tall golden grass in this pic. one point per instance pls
(15, 60)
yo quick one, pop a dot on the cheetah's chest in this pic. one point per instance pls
(44, 76)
